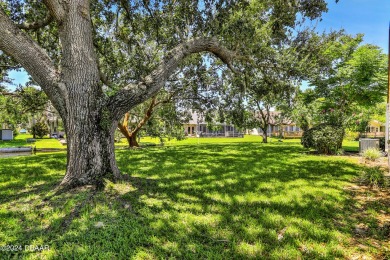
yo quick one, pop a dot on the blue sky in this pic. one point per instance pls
(370, 17)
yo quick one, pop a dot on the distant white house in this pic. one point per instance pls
(375, 129)
(197, 126)
(286, 128)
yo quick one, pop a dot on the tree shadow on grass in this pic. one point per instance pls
(24, 176)
(207, 201)
(245, 191)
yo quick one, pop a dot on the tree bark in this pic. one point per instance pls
(132, 140)
(90, 125)
(91, 155)
(134, 94)
(131, 136)
(17, 44)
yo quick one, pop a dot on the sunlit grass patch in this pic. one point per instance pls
(40, 143)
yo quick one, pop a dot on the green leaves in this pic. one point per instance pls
(350, 79)
(40, 129)
(326, 139)
(367, 73)
(131, 37)
(16, 107)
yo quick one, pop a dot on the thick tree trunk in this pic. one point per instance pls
(89, 124)
(91, 155)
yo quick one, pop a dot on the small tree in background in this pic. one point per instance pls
(17, 106)
(40, 129)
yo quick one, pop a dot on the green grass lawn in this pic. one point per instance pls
(349, 146)
(231, 199)
(21, 141)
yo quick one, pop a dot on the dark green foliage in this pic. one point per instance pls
(350, 79)
(382, 143)
(127, 32)
(326, 139)
(166, 121)
(40, 129)
(31, 99)
(17, 106)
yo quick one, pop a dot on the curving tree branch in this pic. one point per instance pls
(57, 8)
(9, 67)
(35, 60)
(136, 93)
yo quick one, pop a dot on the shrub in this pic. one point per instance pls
(40, 129)
(372, 154)
(326, 139)
(373, 176)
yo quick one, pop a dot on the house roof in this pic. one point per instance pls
(376, 123)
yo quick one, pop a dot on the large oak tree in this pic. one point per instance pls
(97, 59)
